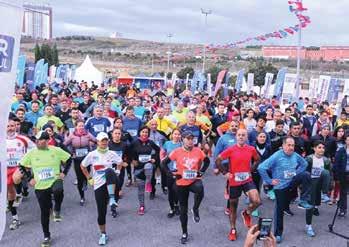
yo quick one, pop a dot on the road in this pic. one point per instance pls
(79, 225)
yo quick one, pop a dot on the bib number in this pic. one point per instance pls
(46, 174)
(241, 176)
(144, 158)
(81, 152)
(118, 156)
(316, 172)
(132, 132)
(189, 174)
(289, 174)
(98, 128)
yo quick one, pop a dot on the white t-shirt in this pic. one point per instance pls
(16, 148)
(318, 167)
(99, 163)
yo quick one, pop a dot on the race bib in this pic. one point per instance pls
(46, 174)
(143, 158)
(98, 128)
(118, 156)
(316, 172)
(81, 152)
(132, 132)
(189, 174)
(289, 174)
(241, 176)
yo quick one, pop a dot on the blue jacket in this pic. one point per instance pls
(225, 141)
(252, 136)
(132, 126)
(340, 161)
(95, 126)
(283, 167)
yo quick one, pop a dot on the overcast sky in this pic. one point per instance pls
(230, 21)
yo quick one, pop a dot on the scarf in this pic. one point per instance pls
(144, 139)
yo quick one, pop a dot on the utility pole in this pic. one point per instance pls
(299, 47)
(169, 36)
(206, 13)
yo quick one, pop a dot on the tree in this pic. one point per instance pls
(232, 80)
(182, 74)
(55, 59)
(37, 53)
(214, 70)
(260, 68)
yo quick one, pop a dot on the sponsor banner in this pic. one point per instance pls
(39, 66)
(333, 90)
(20, 70)
(239, 80)
(220, 78)
(289, 86)
(313, 83)
(250, 83)
(280, 79)
(324, 84)
(267, 83)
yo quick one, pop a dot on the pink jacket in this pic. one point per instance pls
(79, 141)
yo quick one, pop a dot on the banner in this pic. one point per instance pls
(73, 70)
(220, 78)
(58, 71)
(250, 83)
(239, 80)
(11, 19)
(226, 85)
(289, 86)
(209, 85)
(333, 90)
(267, 83)
(346, 87)
(44, 74)
(20, 70)
(324, 84)
(29, 75)
(39, 66)
(313, 83)
(280, 79)
(52, 73)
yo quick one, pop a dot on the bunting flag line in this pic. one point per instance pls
(295, 7)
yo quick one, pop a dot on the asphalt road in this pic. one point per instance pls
(79, 225)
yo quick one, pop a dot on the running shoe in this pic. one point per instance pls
(278, 239)
(288, 212)
(82, 202)
(57, 216)
(325, 198)
(113, 210)
(75, 182)
(158, 180)
(232, 235)
(271, 195)
(310, 232)
(170, 214)
(103, 239)
(46, 242)
(129, 183)
(304, 205)
(184, 238)
(246, 218)
(227, 211)
(342, 213)
(18, 200)
(14, 224)
(316, 212)
(25, 193)
(165, 190)
(148, 187)
(196, 216)
(141, 210)
(255, 213)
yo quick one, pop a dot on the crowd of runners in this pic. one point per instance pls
(294, 152)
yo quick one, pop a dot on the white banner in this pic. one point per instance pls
(346, 87)
(11, 19)
(267, 83)
(250, 82)
(289, 87)
(313, 84)
(322, 90)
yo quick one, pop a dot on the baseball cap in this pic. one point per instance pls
(42, 135)
(101, 136)
(187, 134)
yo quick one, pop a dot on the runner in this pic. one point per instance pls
(45, 164)
(105, 166)
(241, 156)
(189, 172)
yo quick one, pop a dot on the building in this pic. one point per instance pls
(37, 21)
(326, 53)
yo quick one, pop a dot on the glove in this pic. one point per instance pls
(90, 181)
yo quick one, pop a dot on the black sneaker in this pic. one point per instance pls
(196, 216)
(25, 193)
(164, 190)
(316, 212)
(113, 210)
(171, 214)
(176, 209)
(342, 214)
(288, 212)
(46, 242)
(82, 202)
(57, 216)
(184, 238)
(152, 195)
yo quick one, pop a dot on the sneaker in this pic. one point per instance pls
(113, 210)
(141, 210)
(18, 200)
(325, 198)
(232, 235)
(152, 195)
(165, 190)
(246, 218)
(129, 183)
(342, 214)
(176, 209)
(196, 216)
(14, 224)
(46, 242)
(158, 180)
(316, 212)
(25, 193)
(148, 187)
(310, 232)
(170, 214)
(304, 205)
(278, 239)
(103, 239)
(271, 195)
(75, 182)
(82, 202)
(227, 211)
(288, 212)
(184, 238)
(255, 213)
(57, 216)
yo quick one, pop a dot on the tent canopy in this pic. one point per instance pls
(88, 72)
(124, 78)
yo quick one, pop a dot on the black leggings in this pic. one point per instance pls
(183, 195)
(163, 178)
(102, 196)
(45, 201)
(80, 176)
(172, 193)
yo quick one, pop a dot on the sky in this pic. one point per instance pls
(230, 21)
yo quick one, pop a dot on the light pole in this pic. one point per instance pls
(299, 47)
(169, 36)
(206, 13)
